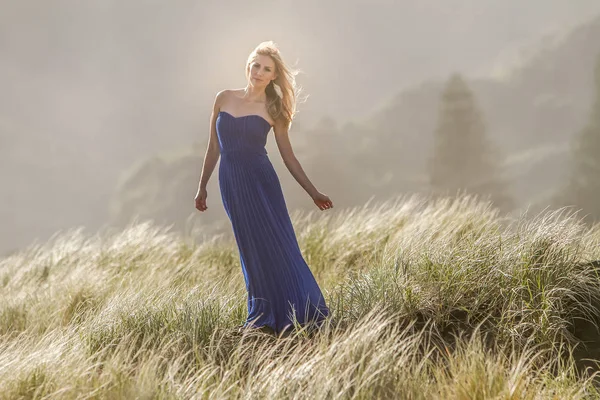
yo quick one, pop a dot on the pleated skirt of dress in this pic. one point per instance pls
(281, 287)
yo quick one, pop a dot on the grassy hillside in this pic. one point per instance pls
(429, 299)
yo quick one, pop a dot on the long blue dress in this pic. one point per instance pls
(280, 284)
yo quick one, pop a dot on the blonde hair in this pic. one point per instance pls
(282, 92)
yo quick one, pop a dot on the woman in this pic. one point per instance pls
(281, 288)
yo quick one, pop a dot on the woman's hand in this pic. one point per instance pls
(322, 201)
(201, 199)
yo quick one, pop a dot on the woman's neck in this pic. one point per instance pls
(253, 95)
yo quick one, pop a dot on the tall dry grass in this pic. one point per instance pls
(429, 298)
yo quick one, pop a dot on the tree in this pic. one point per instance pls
(463, 160)
(583, 186)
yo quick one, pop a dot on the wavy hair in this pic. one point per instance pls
(282, 92)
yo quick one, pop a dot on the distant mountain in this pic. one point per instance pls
(531, 115)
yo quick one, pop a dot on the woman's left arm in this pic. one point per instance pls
(293, 165)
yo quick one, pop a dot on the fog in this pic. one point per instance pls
(93, 88)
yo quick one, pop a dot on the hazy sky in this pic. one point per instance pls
(199, 46)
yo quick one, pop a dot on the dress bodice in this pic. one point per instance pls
(247, 133)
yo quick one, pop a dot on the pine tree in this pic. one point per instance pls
(583, 188)
(463, 160)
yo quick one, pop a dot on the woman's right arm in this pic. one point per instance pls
(212, 153)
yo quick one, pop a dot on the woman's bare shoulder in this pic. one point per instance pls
(223, 94)
(222, 98)
(235, 92)
(226, 94)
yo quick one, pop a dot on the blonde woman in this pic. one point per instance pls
(281, 288)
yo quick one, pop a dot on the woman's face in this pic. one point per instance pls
(262, 71)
